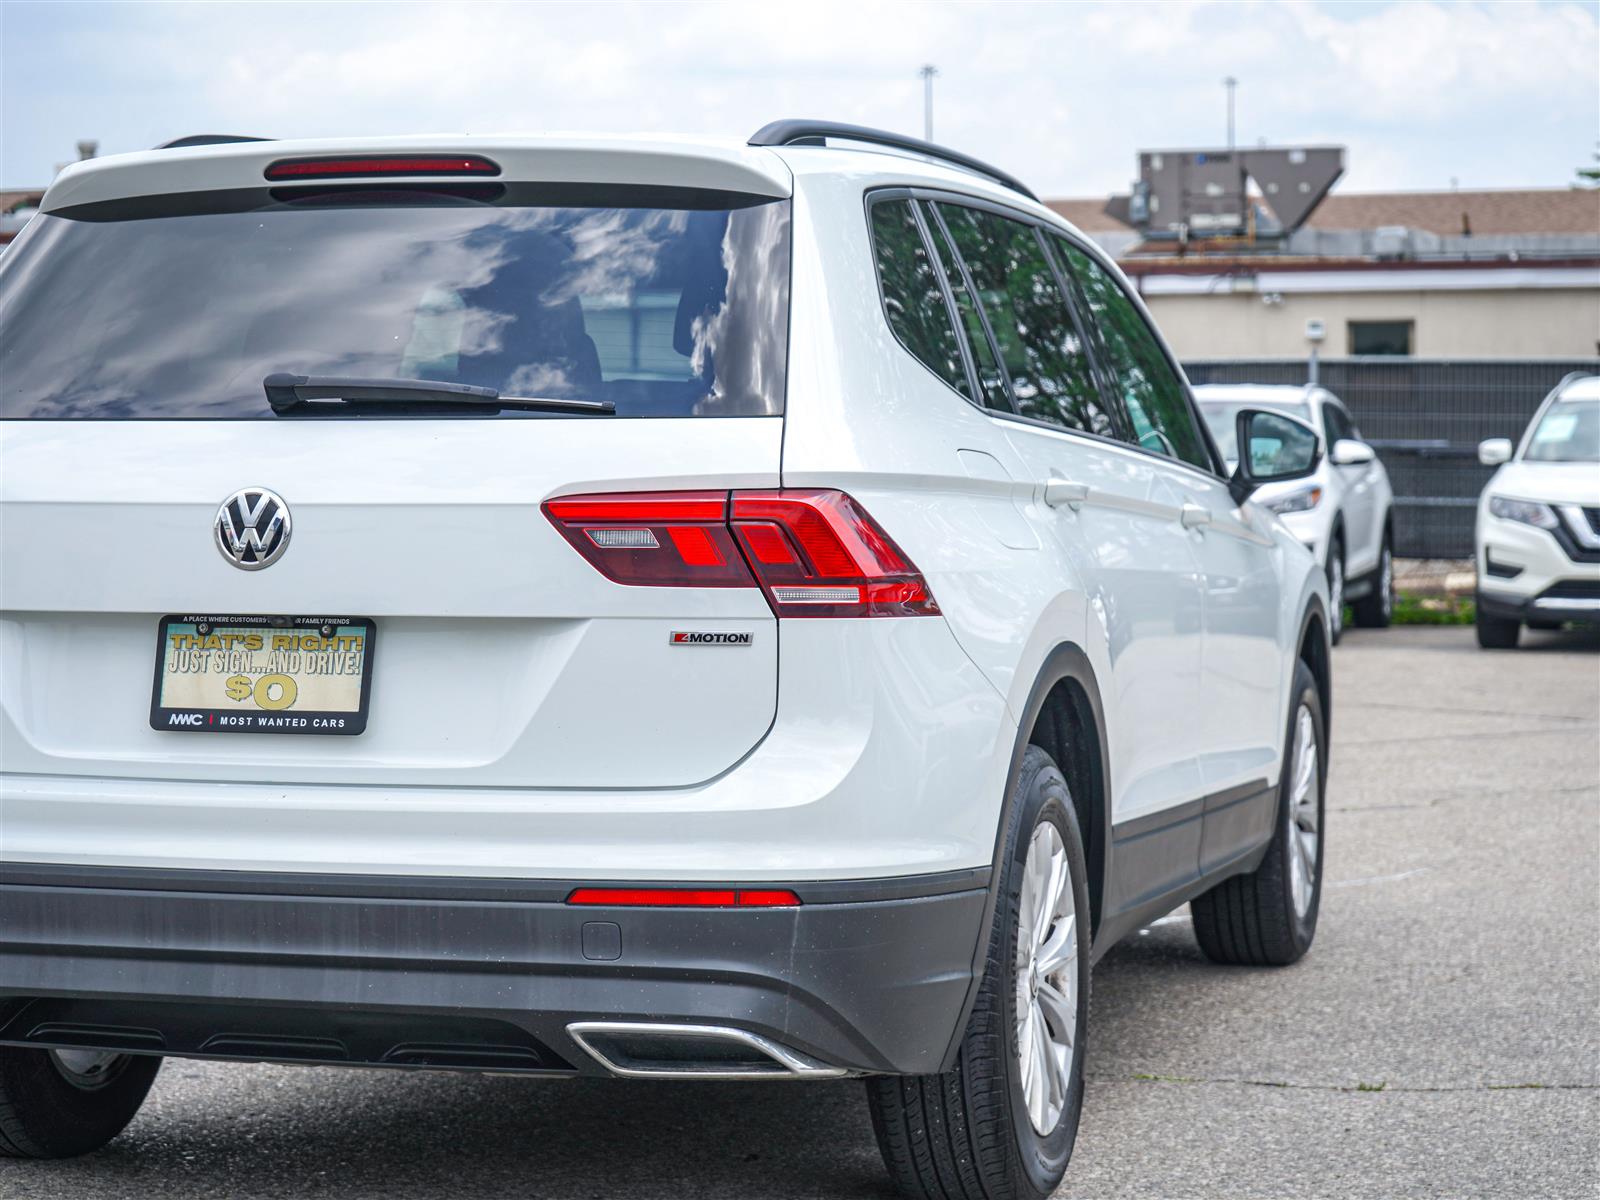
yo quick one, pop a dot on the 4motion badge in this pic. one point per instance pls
(711, 639)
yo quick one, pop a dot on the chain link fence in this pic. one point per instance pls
(1425, 417)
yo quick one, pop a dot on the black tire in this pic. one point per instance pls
(1497, 633)
(965, 1134)
(1376, 609)
(47, 1111)
(1251, 919)
(1335, 593)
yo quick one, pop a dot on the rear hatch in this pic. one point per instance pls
(634, 332)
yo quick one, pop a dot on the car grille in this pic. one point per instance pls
(1578, 532)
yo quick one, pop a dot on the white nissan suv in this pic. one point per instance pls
(583, 607)
(1538, 530)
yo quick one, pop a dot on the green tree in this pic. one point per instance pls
(1590, 176)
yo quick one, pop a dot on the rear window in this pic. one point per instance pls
(666, 302)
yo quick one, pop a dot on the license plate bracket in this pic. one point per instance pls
(263, 674)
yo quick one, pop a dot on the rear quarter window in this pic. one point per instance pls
(912, 299)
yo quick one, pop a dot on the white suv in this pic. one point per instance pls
(639, 608)
(1538, 531)
(1343, 511)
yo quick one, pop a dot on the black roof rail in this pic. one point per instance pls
(814, 133)
(210, 139)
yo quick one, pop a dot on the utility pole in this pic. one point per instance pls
(1230, 83)
(928, 72)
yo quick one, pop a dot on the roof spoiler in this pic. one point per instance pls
(210, 139)
(816, 133)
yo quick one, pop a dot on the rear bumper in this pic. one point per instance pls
(864, 976)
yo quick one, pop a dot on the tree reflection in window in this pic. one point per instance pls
(1151, 391)
(1037, 340)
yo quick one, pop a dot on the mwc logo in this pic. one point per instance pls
(185, 719)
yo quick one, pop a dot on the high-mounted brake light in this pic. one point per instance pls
(381, 166)
(666, 897)
(815, 553)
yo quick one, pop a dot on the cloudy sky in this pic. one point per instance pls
(1489, 94)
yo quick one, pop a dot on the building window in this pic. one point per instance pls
(1381, 337)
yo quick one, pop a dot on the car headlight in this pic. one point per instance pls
(1303, 500)
(1528, 512)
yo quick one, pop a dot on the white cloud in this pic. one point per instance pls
(1062, 94)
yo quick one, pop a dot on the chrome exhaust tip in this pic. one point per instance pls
(652, 1050)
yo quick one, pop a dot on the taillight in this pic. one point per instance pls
(815, 553)
(670, 897)
(819, 554)
(657, 539)
(381, 166)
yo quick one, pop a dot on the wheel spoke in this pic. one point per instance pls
(1036, 1083)
(1054, 867)
(1061, 949)
(1060, 1013)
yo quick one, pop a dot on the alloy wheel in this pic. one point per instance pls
(1305, 787)
(1046, 979)
(88, 1069)
(1336, 591)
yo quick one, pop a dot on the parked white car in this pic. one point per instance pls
(1343, 512)
(1538, 530)
(638, 608)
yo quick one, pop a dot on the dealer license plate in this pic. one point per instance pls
(256, 674)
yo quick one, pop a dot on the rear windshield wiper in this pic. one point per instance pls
(301, 393)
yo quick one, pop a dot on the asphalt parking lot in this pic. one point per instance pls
(1442, 1038)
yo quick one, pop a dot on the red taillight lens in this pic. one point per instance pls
(657, 539)
(819, 554)
(815, 553)
(646, 897)
(379, 166)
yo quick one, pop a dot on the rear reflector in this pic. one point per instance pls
(374, 166)
(684, 897)
(815, 553)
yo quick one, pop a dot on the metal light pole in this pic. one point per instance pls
(1230, 83)
(928, 72)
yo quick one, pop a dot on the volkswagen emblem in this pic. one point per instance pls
(252, 528)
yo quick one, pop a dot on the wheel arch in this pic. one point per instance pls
(1064, 717)
(1314, 648)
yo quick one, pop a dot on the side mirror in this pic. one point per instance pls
(1495, 451)
(1273, 447)
(1347, 452)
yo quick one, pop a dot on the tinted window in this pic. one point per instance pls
(1380, 337)
(991, 379)
(1151, 392)
(1038, 342)
(911, 295)
(180, 306)
(1336, 424)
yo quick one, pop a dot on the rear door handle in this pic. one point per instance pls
(1058, 492)
(1194, 516)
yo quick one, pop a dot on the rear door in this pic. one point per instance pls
(1112, 514)
(1238, 719)
(136, 338)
